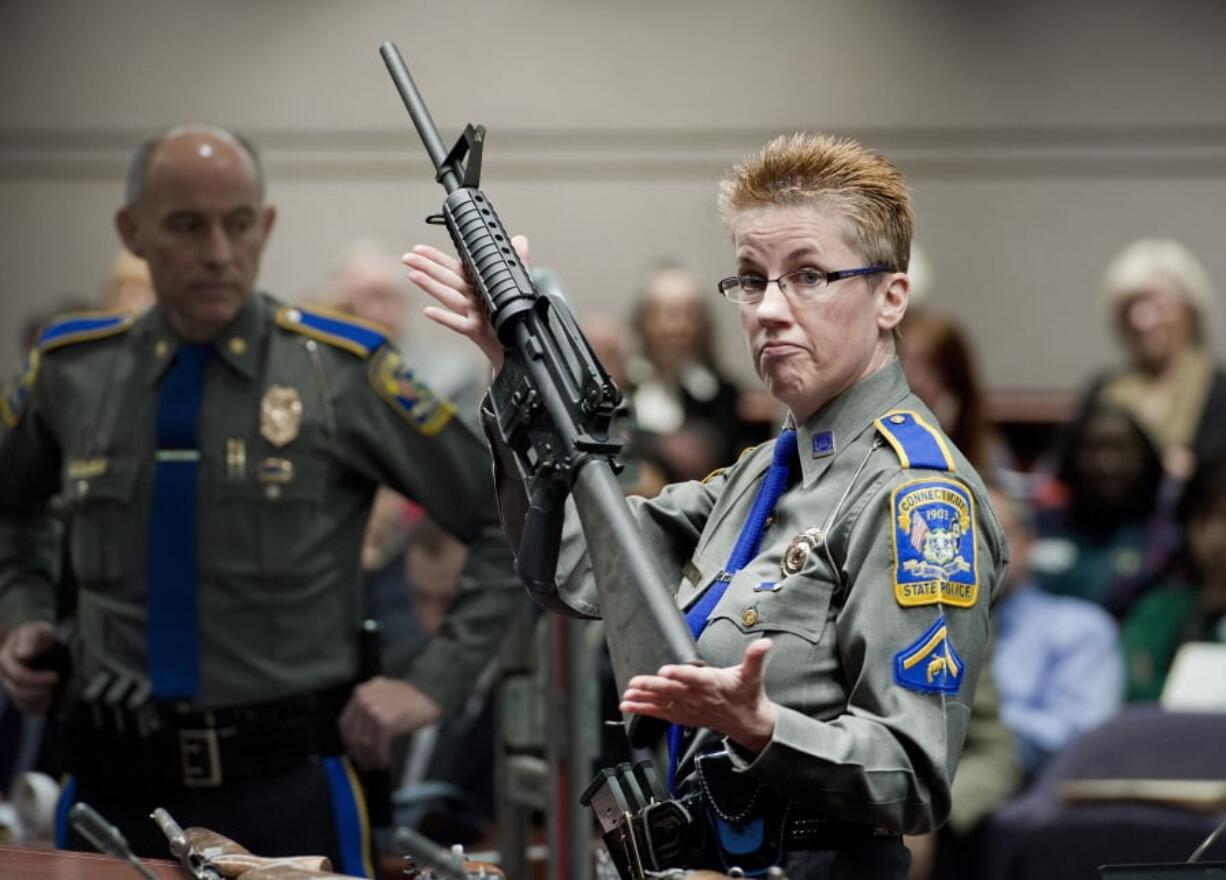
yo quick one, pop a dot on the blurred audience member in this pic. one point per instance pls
(1057, 658)
(923, 278)
(610, 340)
(1160, 302)
(127, 287)
(370, 283)
(941, 370)
(1191, 606)
(679, 396)
(1105, 532)
(642, 473)
(410, 565)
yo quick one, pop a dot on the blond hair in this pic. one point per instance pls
(805, 169)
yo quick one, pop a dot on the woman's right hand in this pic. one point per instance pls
(441, 276)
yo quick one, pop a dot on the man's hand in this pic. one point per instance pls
(460, 309)
(29, 689)
(379, 711)
(731, 701)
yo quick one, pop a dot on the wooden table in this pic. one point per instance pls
(22, 863)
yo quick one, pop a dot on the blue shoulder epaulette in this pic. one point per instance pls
(82, 327)
(343, 331)
(918, 444)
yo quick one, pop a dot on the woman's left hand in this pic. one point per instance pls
(731, 701)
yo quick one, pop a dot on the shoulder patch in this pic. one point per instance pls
(933, 528)
(930, 664)
(16, 392)
(83, 327)
(334, 328)
(408, 395)
(918, 444)
(748, 450)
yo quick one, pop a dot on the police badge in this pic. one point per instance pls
(280, 414)
(798, 551)
(934, 543)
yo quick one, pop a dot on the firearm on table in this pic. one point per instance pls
(553, 402)
(105, 837)
(207, 855)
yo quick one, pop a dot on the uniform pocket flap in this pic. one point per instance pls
(99, 479)
(798, 604)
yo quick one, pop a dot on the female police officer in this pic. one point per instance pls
(858, 548)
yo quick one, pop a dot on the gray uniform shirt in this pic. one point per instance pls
(279, 524)
(850, 742)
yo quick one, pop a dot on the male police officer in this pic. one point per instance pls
(218, 455)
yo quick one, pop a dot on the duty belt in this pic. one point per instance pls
(646, 832)
(203, 747)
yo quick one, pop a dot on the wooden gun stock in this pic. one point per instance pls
(232, 860)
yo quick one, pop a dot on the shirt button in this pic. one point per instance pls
(749, 616)
(768, 522)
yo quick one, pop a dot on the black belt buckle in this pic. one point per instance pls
(200, 755)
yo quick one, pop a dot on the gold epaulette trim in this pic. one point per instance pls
(123, 322)
(356, 335)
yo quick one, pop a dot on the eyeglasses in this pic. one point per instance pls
(803, 284)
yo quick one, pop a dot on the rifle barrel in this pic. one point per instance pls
(422, 121)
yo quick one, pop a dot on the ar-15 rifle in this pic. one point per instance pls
(553, 402)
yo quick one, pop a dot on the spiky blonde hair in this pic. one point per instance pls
(833, 172)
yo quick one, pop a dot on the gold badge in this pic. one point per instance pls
(280, 414)
(798, 551)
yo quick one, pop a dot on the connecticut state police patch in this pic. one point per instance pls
(411, 397)
(934, 543)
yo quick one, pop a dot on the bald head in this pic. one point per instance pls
(195, 212)
(184, 142)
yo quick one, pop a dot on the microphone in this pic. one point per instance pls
(105, 837)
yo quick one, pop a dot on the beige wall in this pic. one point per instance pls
(1038, 137)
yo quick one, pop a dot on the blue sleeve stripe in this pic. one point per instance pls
(80, 327)
(366, 337)
(918, 445)
(68, 795)
(349, 814)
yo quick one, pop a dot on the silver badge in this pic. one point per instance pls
(280, 414)
(798, 551)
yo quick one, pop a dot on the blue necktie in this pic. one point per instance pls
(777, 479)
(173, 637)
